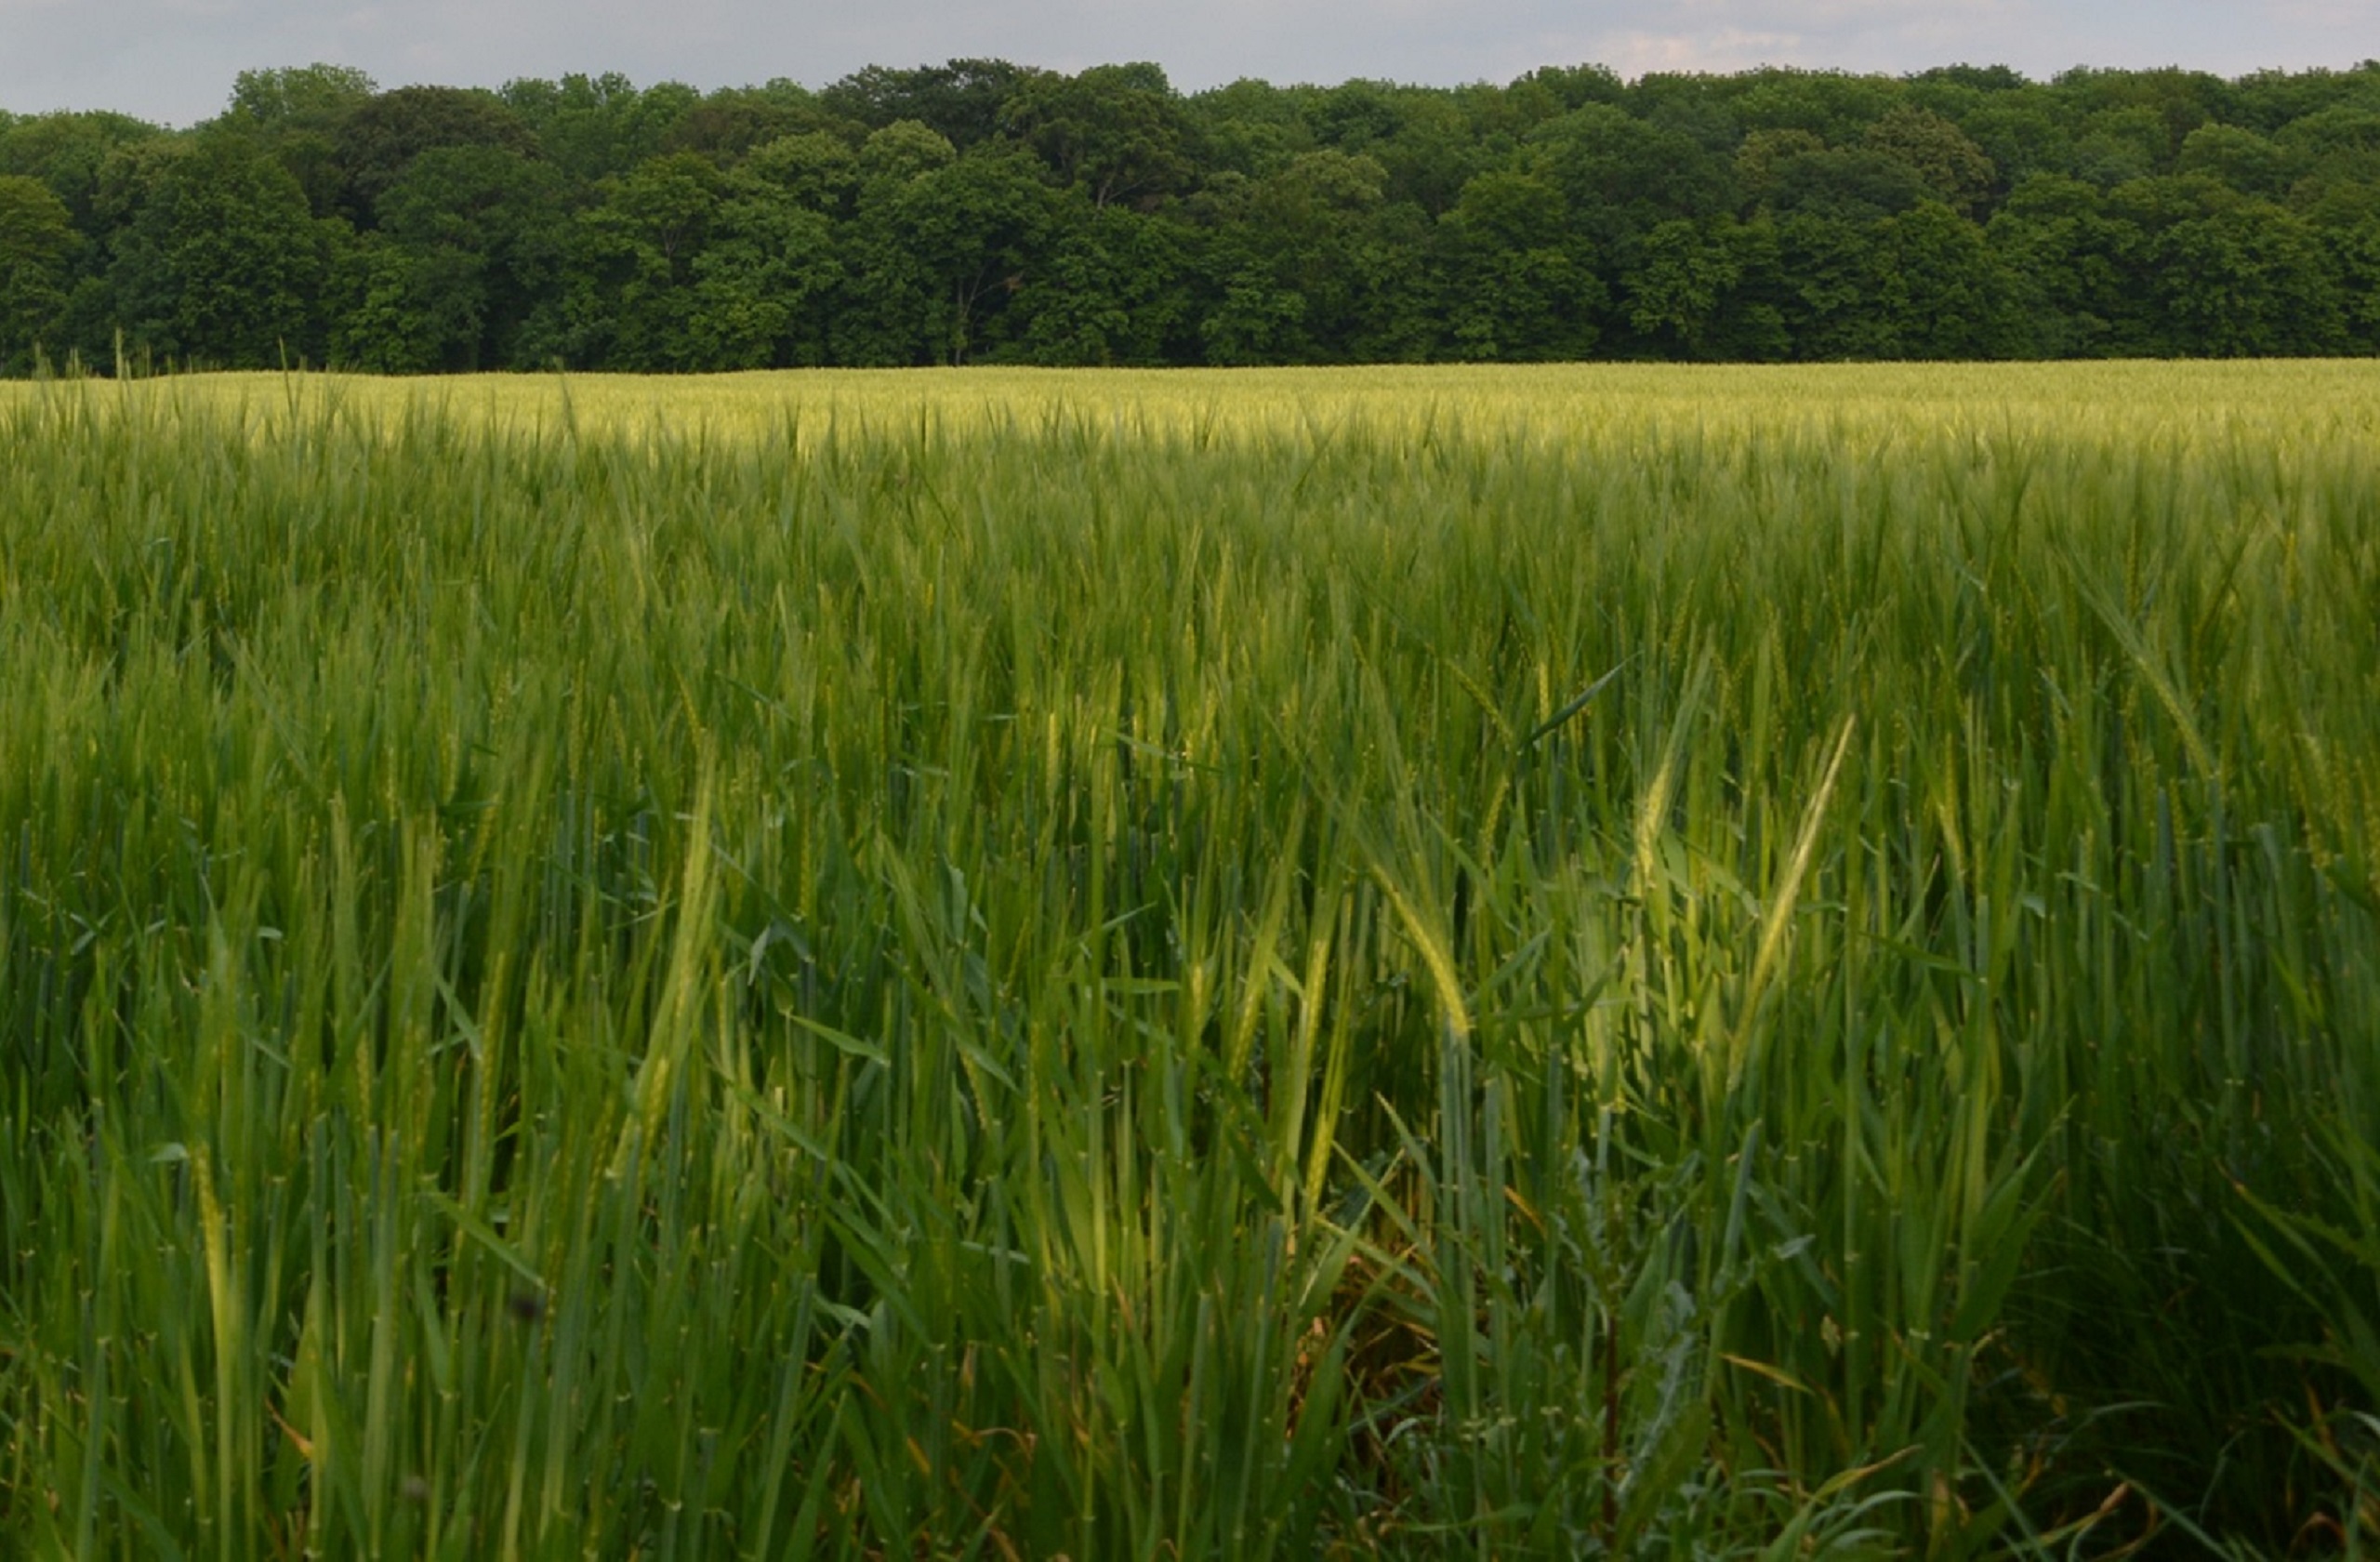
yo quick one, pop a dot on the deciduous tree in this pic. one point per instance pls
(38, 239)
(216, 257)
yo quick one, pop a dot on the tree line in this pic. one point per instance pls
(983, 211)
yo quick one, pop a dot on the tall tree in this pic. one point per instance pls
(471, 238)
(1522, 284)
(729, 123)
(1705, 290)
(2240, 276)
(380, 139)
(1114, 288)
(817, 170)
(957, 244)
(1939, 153)
(1835, 106)
(298, 113)
(2248, 162)
(1622, 176)
(1832, 309)
(2355, 252)
(216, 257)
(1941, 291)
(69, 153)
(595, 127)
(1119, 132)
(1316, 264)
(316, 95)
(685, 266)
(962, 100)
(1249, 127)
(2066, 249)
(1853, 183)
(37, 240)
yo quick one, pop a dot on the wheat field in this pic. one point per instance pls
(1452, 962)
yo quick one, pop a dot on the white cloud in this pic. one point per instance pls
(1733, 48)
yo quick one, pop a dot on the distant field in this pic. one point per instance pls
(2293, 399)
(1447, 962)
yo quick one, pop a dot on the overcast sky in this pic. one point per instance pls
(173, 60)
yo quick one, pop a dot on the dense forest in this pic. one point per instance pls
(985, 211)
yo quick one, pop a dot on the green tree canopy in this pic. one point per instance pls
(595, 127)
(1624, 174)
(471, 238)
(38, 239)
(1118, 131)
(216, 257)
(379, 139)
(816, 169)
(317, 95)
(1953, 168)
(961, 101)
(69, 153)
(730, 123)
(981, 209)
